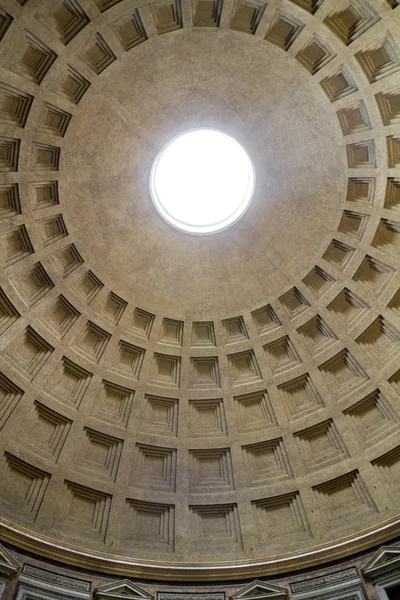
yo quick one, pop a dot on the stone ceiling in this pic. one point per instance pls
(176, 406)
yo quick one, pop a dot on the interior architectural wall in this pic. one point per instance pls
(373, 575)
(188, 408)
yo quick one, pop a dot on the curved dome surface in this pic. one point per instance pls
(263, 101)
(198, 407)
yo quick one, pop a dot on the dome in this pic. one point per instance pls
(185, 406)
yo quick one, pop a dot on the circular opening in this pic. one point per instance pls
(202, 181)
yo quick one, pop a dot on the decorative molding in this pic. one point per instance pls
(342, 585)
(8, 564)
(64, 581)
(259, 590)
(190, 596)
(124, 590)
(128, 567)
(319, 582)
(386, 559)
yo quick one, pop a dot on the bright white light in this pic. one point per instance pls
(202, 181)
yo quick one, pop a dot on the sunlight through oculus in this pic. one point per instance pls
(202, 181)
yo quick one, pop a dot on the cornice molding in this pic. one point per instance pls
(167, 571)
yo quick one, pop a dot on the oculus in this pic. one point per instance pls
(202, 181)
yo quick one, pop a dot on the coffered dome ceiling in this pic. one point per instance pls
(188, 407)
